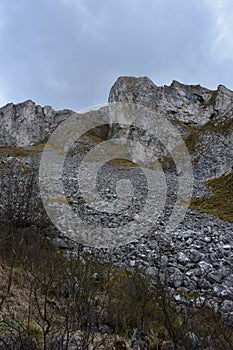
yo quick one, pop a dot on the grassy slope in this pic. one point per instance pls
(220, 204)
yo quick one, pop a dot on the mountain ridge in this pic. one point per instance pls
(197, 255)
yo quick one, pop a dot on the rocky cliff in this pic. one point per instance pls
(196, 256)
(203, 117)
(26, 124)
(190, 104)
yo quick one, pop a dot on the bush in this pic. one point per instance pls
(47, 299)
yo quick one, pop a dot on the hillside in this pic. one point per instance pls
(191, 262)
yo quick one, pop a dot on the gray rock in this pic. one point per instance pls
(61, 243)
(205, 267)
(227, 306)
(215, 277)
(195, 255)
(140, 340)
(198, 254)
(191, 105)
(177, 278)
(182, 258)
(192, 341)
(25, 124)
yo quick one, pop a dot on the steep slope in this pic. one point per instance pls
(203, 117)
(195, 256)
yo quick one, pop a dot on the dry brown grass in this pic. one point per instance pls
(122, 163)
(21, 152)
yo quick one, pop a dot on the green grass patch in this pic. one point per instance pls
(220, 204)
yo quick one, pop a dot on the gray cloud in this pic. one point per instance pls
(68, 53)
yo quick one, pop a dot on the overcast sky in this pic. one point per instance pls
(68, 53)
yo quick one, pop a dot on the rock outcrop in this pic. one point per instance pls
(203, 117)
(190, 104)
(197, 256)
(26, 123)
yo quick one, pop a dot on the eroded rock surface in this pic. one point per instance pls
(26, 123)
(191, 104)
(198, 255)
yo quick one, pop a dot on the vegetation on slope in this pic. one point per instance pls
(48, 299)
(220, 203)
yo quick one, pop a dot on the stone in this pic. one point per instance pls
(182, 258)
(140, 340)
(205, 267)
(215, 277)
(177, 277)
(197, 254)
(191, 105)
(25, 124)
(227, 306)
(60, 243)
(192, 341)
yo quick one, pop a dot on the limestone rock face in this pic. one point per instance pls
(26, 123)
(203, 117)
(198, 254)
(191, 104)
